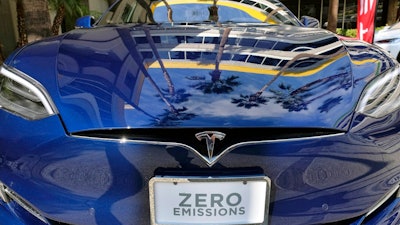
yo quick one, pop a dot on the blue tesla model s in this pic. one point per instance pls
(199, 112)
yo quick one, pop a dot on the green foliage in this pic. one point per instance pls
(95, 14)
(351, 32)
(73, 8)
(347, 32)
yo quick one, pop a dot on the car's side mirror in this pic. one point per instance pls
(309, 21)
(85, 22)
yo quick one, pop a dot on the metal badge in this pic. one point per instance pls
(210, 137)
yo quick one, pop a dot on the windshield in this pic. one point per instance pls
(199, 11)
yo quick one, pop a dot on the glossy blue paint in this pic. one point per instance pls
(130, 99)
(92, 177)
(7, 217)
(389, 215)
(12, 214)
(132, 95)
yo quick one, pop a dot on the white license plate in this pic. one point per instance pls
(183, 201)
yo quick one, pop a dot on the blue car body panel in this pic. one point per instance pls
(87, 181)
(130, 99)
(90, 70)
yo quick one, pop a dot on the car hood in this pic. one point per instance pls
(203, 76)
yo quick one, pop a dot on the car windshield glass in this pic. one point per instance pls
(199, 11)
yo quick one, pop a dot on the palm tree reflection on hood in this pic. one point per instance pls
(173, 119)
(249, 101)
(218, 85)
(171, 116)
(153, 47)
(298, 99)
(169, 94)
(290, 99)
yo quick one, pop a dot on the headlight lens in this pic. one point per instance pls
(381, 96)
(23, 96)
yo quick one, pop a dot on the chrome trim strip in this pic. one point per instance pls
(383, 200)
(3, 194)
(7, 195)
(210, 162)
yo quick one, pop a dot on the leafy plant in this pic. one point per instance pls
(72, 8)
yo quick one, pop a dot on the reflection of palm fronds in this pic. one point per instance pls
(169, 118)
(293, 103)
(249, 101)
(342, 80)
(293, 60)
(284, 96)
(299, 99)
(329, 104)
(221, 86)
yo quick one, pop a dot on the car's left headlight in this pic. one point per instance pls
(24, 96)
(382, 95)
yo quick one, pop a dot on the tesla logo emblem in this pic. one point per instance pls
(210, 137)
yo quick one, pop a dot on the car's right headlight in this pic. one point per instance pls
(381, 96)
(24, 96)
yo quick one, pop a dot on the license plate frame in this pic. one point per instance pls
(208, 200)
